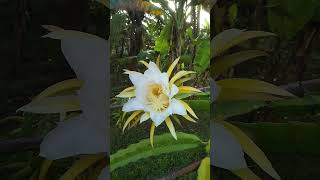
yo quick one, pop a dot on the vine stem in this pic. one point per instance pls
(181, 172)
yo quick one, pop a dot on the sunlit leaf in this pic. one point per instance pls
(162, 144)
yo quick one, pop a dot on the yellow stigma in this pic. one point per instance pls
(157, 100)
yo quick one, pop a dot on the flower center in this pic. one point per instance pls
(156, 99)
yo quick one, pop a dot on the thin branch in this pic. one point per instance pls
(174, 175)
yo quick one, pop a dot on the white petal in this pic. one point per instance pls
(158, 118)
(174, 90)
(94, 103)
(73, 137)
(177, 107)
(153, 67)
(164, 78)
(144, 117)
(132, 105)
(137, 78)
(226, 152)
(88, 56)
(105, 174)
(153, 73)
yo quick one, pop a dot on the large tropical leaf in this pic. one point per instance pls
(223, 110)
(162, 144)
(290, 137)
(232, 37)
(250, 89)
(222, 64)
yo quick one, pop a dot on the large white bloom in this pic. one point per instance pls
(154, 95)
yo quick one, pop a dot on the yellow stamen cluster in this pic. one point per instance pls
(157, 100)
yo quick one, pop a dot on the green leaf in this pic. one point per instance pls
(223, 110)
(238, 85)
(200, 105)
(233, 37)
(305, 101)
(222, 64)
(290, 137)
(204, 169)
(230, 94)
(250, 148)
(162, 43)
(202, 58)
(162, 144)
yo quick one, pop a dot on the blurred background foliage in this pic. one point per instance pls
(278, 128)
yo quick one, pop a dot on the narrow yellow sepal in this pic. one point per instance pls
(133, 115)
(152, 133)
(144, 63)
(126, 71)
(179, 75)
(135, 122)
(189, 109)
(66, 85)
(172, 66)
(81, 165)
(188, 89)
(171, 128)
(175, 118)
(187, 117)
(127, 94)
(180, 81)
(44, 169)
(146, 115)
